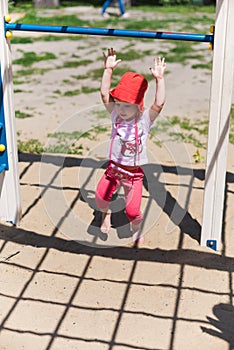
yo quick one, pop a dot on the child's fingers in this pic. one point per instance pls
(118, 61)
(159, 61)
(111, 52)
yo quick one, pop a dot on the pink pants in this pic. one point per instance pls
(132, 184)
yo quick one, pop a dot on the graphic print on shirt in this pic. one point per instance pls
(129, 148)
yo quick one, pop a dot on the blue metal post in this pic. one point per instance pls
(109, 32)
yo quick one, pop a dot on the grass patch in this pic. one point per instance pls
(71, 93)
(182, 130)
(92, 134)
(158, 25)
(95, 74)
(83, 90)
(170, 9)
(67, 81)
(132, 54)
(22, 40)
(57, 92)
(88, 89)
(47, 38)
(29, 58)
(30, 146)
(207, 66)
(186, 130)
(18, 90)
(30, 71)
(18, 82)
(186, 138)
(101, 114)
(22, 115)
(80, 76)
(183, 52)
(75, 64)
(33, 17)
(65, 148)
(73, 143)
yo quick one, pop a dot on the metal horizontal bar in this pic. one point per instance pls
(109, 32)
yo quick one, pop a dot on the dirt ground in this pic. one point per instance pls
(65, 286)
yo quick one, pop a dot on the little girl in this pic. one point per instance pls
(131, 124)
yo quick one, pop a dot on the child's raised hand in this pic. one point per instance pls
(110, 59)
(159, 67)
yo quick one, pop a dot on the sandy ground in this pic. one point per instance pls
(65, 286)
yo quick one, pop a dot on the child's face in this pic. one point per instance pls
(126, 110)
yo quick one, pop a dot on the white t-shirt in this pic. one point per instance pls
(123, 146)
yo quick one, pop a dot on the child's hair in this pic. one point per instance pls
(131, 89)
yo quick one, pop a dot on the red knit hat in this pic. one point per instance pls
(131, 89)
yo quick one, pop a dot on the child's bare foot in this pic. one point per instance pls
(137, 234)
(106, 222)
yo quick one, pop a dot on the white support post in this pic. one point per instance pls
(219, 118)
(10, 204)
